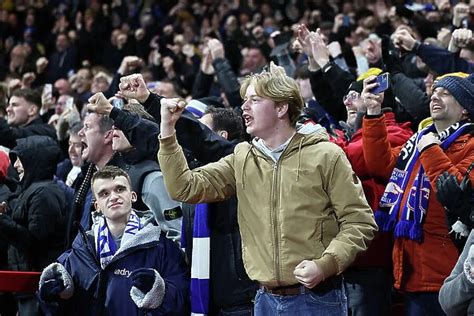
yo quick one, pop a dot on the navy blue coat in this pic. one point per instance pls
(107, 292)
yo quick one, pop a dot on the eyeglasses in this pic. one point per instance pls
(351, 97)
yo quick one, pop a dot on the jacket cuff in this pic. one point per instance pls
(168, 145)
(467, 271)
(427, 147)
(114, 113)
(58, 271)
(373, 116)
(149, 102)
(328, 264)
(153, 298)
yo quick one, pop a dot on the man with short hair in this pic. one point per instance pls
(423, 253)
(23, 118)
(96, 138)
(302, 213)
(123, 266)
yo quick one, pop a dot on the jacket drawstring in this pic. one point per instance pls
(243, 167)
(299, 159)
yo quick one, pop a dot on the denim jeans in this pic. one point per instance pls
(307, 303)
(368, 291)
(422, 303)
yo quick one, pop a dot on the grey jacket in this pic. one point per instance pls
(456, 296)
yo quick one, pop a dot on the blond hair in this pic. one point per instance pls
(278, 87)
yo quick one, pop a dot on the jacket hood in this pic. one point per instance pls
(297, 143)
(149, 233)
(39, 156)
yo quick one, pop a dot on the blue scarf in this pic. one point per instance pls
(416, 207)
(104, 241)
(200, 261)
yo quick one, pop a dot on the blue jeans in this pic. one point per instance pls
(307, 303)
(368, 291)
(422, 303)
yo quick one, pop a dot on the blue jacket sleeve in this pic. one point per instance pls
(175, 273)
(442, 61)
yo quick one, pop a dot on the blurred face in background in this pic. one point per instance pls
(75, 150)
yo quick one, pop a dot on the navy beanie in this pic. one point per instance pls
(462, 89)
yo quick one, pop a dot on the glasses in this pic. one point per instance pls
(350, 97)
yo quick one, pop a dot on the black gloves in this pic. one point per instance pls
(454, 196)
(50, 290)
(143, 279)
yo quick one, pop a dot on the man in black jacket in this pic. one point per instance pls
(23, 118)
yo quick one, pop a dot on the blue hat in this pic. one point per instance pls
(462, 89)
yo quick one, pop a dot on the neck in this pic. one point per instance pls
(31, 119)
(442, 125)
(116, 228)
(278, 135)
(104, 160)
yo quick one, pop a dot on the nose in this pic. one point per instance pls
(245, 105)
(81, 133)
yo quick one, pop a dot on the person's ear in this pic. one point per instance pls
(223, 134)
(32, 110)
(96, 206)
(282, 110)
(134, 196)
(108, 136)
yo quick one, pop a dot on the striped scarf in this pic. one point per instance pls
(104, 241)
(200, 262)
(414, 211)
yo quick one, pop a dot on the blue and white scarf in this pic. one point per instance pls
(200, 262)
(104, 241)
(415, 209)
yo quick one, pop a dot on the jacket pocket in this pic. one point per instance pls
(329, 230)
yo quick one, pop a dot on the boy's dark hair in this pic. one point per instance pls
(110, 172)
(30, 95)
(226, 120)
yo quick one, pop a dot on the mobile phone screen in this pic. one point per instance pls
(382, 80)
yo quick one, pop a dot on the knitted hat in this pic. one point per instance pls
(198, 106)
(462, 89)
(359, 84)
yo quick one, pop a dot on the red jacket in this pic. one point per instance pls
(420, 267)
(380, 250)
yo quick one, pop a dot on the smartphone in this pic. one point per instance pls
(48, 89)
(69, 103)
(382, 80)
(346, 20)
(118, 103)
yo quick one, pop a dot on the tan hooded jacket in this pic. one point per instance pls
(309, 205)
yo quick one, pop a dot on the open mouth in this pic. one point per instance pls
(247, 119)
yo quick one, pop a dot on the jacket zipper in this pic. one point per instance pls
(273, 212)
(275, 224)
